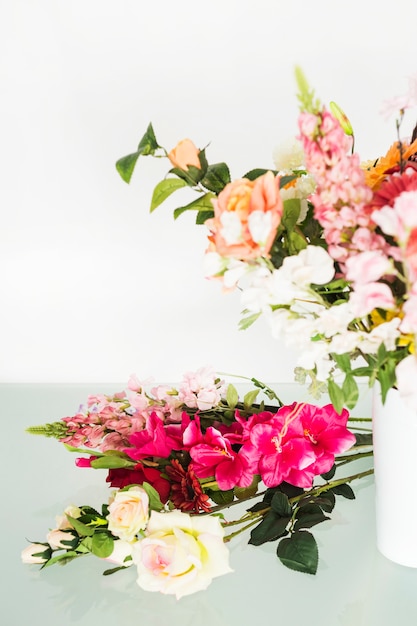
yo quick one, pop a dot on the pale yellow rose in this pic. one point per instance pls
(29, 554)
(56, 537)
(128, 513)
(180, 554)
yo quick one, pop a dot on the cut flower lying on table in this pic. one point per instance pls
(323, 246)
(177, 458)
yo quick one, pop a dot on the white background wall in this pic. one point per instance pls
(93, 287)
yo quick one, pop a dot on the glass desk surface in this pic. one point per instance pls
(354, 585)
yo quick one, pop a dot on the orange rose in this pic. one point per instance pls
(184, 154)
(246, 217)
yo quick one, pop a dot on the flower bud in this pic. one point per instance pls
(341, 117)
(185, 154)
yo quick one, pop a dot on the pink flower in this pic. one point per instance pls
(372, 296)
(367, 267)
(155, 440)
(214, 456)
(297, 443)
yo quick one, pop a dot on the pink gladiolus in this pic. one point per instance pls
(297, 443)
(215, 457)
(153, 441)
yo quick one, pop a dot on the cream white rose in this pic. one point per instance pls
(180, 554)
(128, 513)
(29, 554)
(56, 537)
(122, 550)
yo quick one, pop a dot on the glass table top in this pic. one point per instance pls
(354, 585)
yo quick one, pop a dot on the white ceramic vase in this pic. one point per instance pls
(395, 462)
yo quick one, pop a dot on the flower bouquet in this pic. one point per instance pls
(177, 458)
(324, 246)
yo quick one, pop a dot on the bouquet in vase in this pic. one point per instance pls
(324, 245)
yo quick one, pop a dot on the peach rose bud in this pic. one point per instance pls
(185, 154)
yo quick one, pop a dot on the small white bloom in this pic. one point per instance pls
(231, 230)
(260, 225)
(289, 155)
(334, 320)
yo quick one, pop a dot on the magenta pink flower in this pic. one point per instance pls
(155, 440)
(297, 443)
(214, 456)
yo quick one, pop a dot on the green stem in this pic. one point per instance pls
(316, 491)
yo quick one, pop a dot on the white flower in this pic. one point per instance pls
(57, 537)
(334, 320)
(313, 265)
(231, 230)
(260, 226)
(128, 513)
(386, 333)
(180, 554)
(289, 155)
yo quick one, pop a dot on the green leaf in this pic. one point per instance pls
(299, 552)
(111, 462)
(284, 180)
(329, 475)
(221, 497)
(350, 391)
(254, 174)
(203, 216)
(342, 361)
(63, 558)
(242, 493)
(108, 572)
(147, 145)
(216, 178)
(296, 242)
(232, 396)
(309, 515)
(336, 396)
(245, 322)
(82, 529)
(250, 398)
(126, 165)
(292, 208)
(271, 528)
(164, 189)
(202, 203)
(102, 545)
(363, 439)
(155, 503)
(280, 504)
(362, 371)
(344, 490)
(326, 501)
